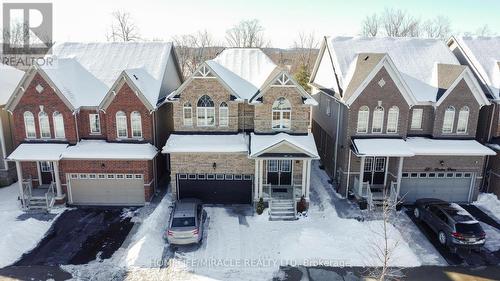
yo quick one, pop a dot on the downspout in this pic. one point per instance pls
(336, 140)
(76, 126)
(348, 174)
(155, 166)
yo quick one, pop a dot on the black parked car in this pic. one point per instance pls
(455, 227)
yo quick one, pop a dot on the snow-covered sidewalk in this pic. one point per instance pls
(19, 236)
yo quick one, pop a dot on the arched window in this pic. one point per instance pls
(448, 120)
(392, 120)
(29, 125)
(363, 116)
(187, 113)
(463, 120)
(43, 120)
(282, 114)
(58, 121)
(121, 125)
(205, 112)
(378, 120)
(223, 115)
(136, 124)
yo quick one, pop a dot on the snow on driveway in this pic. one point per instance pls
(489, 203)
(20, 236)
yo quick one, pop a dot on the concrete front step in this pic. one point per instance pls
(282, 209)
(282, 218)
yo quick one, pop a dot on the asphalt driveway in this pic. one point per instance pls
(80, 236)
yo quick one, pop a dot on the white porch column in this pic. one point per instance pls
(256, 180)
(19, 171)
(39, 173)
(304, 177)
(58, 180)
(308, 179)
(261, 166)
(386, 166)
(400, 173)
(361, 172)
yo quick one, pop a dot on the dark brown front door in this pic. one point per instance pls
(46, 171)
(279, 172)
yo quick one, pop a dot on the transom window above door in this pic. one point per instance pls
(205, 112)
(281, 115)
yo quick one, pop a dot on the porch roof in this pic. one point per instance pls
(100, 149)
(206, 143)
(382, 147)
(38, 152)
(260, 144)
(426, 146)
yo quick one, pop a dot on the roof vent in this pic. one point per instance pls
(366, 58)
(136, 78)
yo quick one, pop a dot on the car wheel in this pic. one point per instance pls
(416, 213)
(442, 238)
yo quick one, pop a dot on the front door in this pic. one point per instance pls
(374, 170)
(46, 172)
(279, 172)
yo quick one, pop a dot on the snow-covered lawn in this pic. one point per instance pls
(18, 236)
(489, 203)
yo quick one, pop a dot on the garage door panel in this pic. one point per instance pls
(448, 189)
(107, 192)
(216, 191)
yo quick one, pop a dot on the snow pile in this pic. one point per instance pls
(489, 203)
(492, 237)
(21, 236)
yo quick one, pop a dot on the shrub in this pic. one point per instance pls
(260, 206)
(302, 205)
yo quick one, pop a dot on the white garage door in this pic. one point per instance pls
(448, 186)
(106, 189)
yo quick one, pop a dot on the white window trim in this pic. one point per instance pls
(366, 120)
(187, 121)
(416, 123)
(40, 124)
(32, 125)
(395, 112)
(133, 122)
(381, 120)
(226, 117)
(464, 113)
(124, 116)
(205, 119)
(282, 124)
(55, 115)
(451, 116)
(91, 120)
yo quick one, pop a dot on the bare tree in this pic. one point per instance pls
(370, 26)
(305, 44)
(247, 34)
(438, 27)
(194, 49)
(484, 31)
(398, 23)
(123, 28)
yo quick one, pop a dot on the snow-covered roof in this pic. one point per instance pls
(100, 149)
(494, 146)
(244, 70)
(426, 146)
(206, 143)
(38, 152)
(382, 147)
(260, 143)
(415, 59)
(9, 79)
(84, 72)
(484, 53)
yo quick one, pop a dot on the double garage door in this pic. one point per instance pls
(216, 188)
(447, 186)
(106, 189)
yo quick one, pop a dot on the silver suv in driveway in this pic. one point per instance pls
(455, 227)
(185, 225)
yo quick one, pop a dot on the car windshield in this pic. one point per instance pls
(183, 222)
(468, 228)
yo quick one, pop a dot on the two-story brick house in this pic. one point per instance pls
(9, 79)
(240, 132)
(482, 55)
(399, 116)
(87, 127)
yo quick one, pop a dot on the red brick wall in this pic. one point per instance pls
(30, 170)
(127, 101)
(31, 101)
(84, 124)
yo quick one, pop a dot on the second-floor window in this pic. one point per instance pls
(392, 120)
(29, 125)
(416, 119)
(58, 121)
(463, 120)
(281, 115)
(378, 120)
(43, 120)
(448, 120)
(205, 111)
(121, 125)
(136, 124)
(187, 113)
(363, 117)
(95, 123)
(223, 115)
